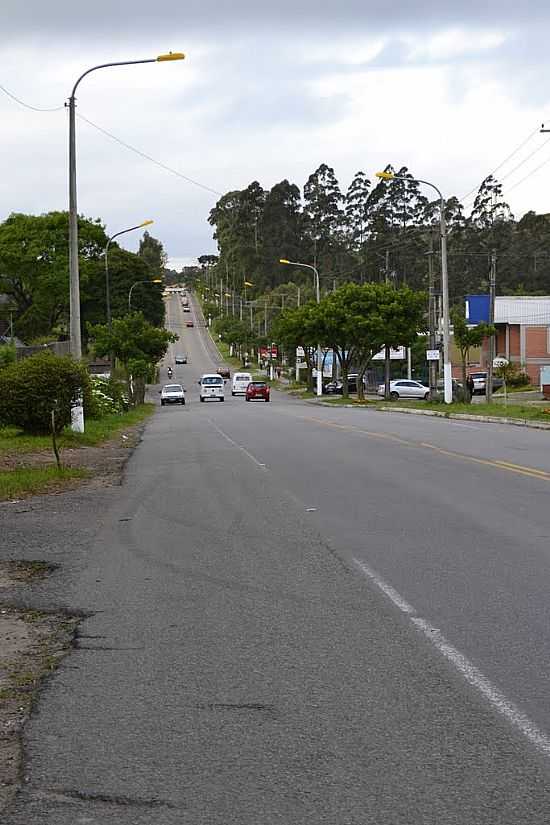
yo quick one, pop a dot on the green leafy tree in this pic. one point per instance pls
(152, 252)
(403, 316)
(299, 327)
(465, 338)
(34, 268)
(137, 344)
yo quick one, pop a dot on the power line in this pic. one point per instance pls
(158, 163)
(28, 105)
(528, 175)
(506, 159)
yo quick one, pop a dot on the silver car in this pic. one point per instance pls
(405, 388)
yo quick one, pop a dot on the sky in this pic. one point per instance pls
(454, 91)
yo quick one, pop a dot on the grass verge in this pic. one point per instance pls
(523, 411)
(32, 480)
(97, 431)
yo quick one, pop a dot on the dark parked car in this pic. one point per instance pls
(333, 388)
(257, 391)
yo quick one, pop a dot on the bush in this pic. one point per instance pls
(107, 396)
(32, 387)
(7, 355)
(519, 379)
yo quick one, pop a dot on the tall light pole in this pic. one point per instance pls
(447, 368)
(318, 297)
(154, 281)
(107, 284)
(75, 334)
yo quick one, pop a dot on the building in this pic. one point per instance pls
(522, 330)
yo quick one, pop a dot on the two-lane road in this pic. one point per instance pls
(306, 615)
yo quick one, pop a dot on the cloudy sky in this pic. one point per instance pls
(268, 91)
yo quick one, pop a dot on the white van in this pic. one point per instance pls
(241, 380)
(211, 386)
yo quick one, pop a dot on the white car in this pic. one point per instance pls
(241, 380)
(404, 388)
(211, 386)
(172, 394)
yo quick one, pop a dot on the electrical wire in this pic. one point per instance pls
(144, 155)
(506, 159)
(28, 105)
(528, 175)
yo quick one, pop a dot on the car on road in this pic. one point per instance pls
(189, 323)
(172, 394)
(224, 372)
(405, 388)
(186, 309)
(180, 358)
(257, 391)
(211, 386)
(241, 380)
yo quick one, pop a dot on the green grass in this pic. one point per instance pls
(98, 430)
(33, 480)
(523, 411)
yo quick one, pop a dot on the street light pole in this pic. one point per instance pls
(318, 298)
(74, 278)
(107, 284)
(447, 367)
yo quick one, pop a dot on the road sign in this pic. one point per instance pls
(432, 355)
(500, 362)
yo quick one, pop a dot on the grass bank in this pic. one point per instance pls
(521, 411)
(96, 432)
(32, 480)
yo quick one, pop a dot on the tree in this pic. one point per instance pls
(137, 344)
(34, 268)
(489, 207)
(465, 338)
(152, 252)
(403, 316)
(323, 216)
(299, 327)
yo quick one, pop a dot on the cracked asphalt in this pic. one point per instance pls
(234, 665)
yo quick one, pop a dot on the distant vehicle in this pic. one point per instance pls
(180, 359)
(403, 388)
(172, 394)
(186, 308)
(257, 391)
(211, 386)
(333, 388)
(480, 382)
(224, 372)
(241, 380)
(189, 323)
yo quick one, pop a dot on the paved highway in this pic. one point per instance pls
(306, 615)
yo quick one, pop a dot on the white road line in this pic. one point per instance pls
(238, 446)
(462, 664)
(464, 426)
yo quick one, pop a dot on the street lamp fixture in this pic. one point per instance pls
(154, 281)
(75, 333)
(107, 284)
(318, 297)
(447, 369)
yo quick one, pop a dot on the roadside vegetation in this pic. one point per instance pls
(527, 412)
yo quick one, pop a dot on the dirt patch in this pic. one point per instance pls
(104, 462)
(32, 644)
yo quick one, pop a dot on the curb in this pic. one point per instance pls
(485, 419)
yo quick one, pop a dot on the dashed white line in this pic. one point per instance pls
(462, 664)
(238, 446)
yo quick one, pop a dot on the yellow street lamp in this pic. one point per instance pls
(107, 284)
(318, 297)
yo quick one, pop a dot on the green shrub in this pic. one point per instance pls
(519, 379)
(32, 387)
(107, 397)
(7, 355)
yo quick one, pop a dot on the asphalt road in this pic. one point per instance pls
(305, 615)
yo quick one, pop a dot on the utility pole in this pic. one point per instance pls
(265, 316)
(432, 365)
(492, 289)
(298, 296)
(240, 307)
(387, 269)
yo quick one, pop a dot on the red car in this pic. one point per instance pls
(189, 323)
(257, 390)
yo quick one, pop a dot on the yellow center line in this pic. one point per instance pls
(519, 469)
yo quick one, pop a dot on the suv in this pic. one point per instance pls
(211, 386)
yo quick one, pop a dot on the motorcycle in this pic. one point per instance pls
(169, 372)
